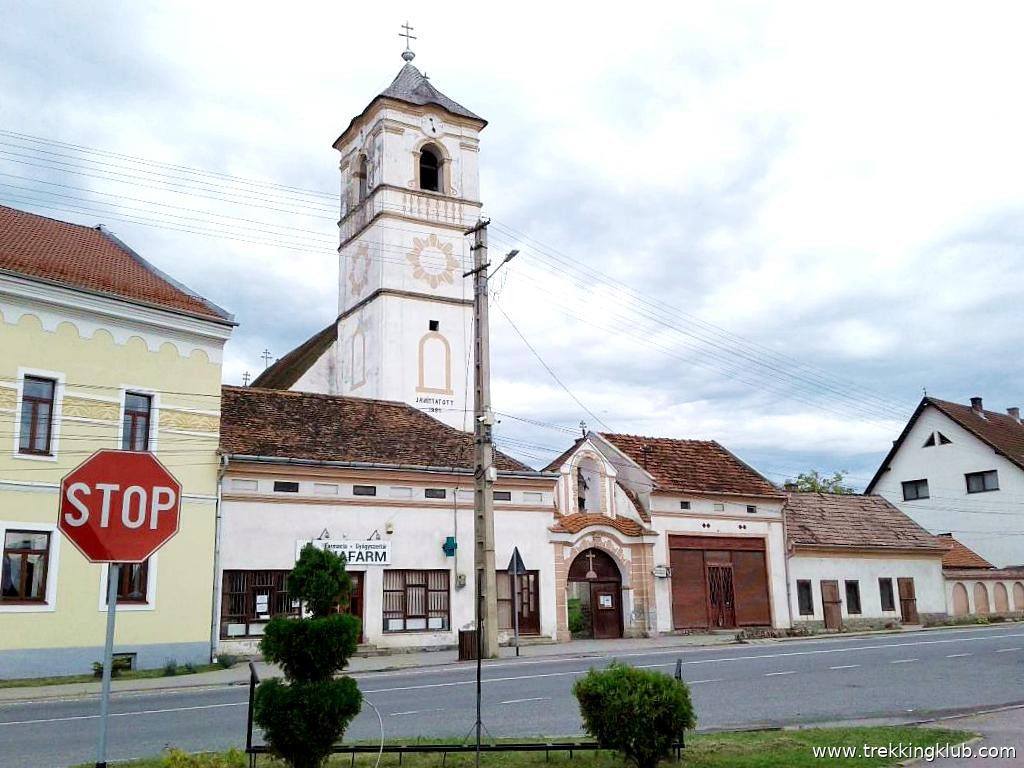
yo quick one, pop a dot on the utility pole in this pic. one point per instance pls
(485, 473)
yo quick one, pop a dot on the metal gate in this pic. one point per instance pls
(721, 601)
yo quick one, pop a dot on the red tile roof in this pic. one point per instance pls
(862, 522)
(959, 556)
(1000, 431)
(301, 425)
(635, 501)
(556, 463)
(577, 521)
(91, 258)
(693, 466)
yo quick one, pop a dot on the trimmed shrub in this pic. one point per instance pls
(637, 712)
(302, 718)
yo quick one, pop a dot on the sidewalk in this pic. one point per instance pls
(239, 674)
(1004, 728)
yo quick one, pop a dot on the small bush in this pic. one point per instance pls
(226, 660)
(170, 668)
(118, 665)
(637, 712)
(576, 625)
(188, 669)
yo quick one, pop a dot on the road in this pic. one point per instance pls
(809, 681)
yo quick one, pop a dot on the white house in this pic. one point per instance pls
(859, 560)
(960, 468)
(659, 535)
(389, 486)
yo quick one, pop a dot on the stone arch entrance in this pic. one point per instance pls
(595, 582)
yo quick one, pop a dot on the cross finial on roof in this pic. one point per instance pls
(266, 358)
(583, 428)
(245, 379)
(407, 54)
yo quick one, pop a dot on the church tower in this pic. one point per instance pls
(410, 188)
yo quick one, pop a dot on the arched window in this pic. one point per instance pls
(361, 174)
(430, 169)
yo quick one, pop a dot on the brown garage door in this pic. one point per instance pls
(690, 557)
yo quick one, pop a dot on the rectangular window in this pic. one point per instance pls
(285, 486)
(415, 601)
(805, 598)
(915, 489)
(435, 493)
(132, 583)
(719, 507)
(533, 497)
(25, 561)
(684, 505)
(249, 599)
(135, 430)
(852, 597)
(36, 415)
(503, 495)
(364, 490)
(885, 591)
(979, 482)
(751, 509)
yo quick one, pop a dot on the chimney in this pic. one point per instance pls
(976, 404)
(1014, 413)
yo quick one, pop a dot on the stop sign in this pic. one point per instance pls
(119, 506)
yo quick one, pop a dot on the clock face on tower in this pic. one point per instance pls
(432, 261)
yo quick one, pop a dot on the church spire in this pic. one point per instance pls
(407, 54)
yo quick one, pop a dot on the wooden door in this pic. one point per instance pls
(689, 591)
(831, 605)
(721, 600)
(606, 609)
(529, 609)
(908, 601)
(750, 574)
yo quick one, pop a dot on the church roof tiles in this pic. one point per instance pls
(313, 427)
(577, 521)
(413, 87)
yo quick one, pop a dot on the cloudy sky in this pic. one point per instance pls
(767, 226)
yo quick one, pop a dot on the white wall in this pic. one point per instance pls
(1014, 598)
(979, 520)
(925, 571)
(260, 534)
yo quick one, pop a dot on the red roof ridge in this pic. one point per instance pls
(322, 395)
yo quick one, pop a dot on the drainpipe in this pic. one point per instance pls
(215, 602)
(785, 560)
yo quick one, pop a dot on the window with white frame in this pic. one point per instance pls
(137, 415)
(416, 601)
(36, 429)
(24, 568)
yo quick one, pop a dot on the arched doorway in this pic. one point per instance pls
(595, 589)
(961, 605)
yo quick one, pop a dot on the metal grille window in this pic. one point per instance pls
(915, 489)
(886, 594)
(249, 599)
(805, 598)
(23, 571)
(435, 493)
(36, 415)
(415, 601)
(853, 597)
(979, 482)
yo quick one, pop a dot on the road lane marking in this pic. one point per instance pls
(957, 655)
(125, 714)
(520, 701)
(776, 674)
(903, 661)
(709, 680)
(1007, 650)
(846, 666)
(413, 712)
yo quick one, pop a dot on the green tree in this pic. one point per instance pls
(815, 482)
(638, 712)
(303, 717)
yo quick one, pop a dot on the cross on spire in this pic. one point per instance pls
(407, 54)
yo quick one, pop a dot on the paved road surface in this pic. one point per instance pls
(826, 680)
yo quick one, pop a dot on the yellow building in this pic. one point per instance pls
(99, 349)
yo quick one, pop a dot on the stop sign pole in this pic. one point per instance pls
(117, 507)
